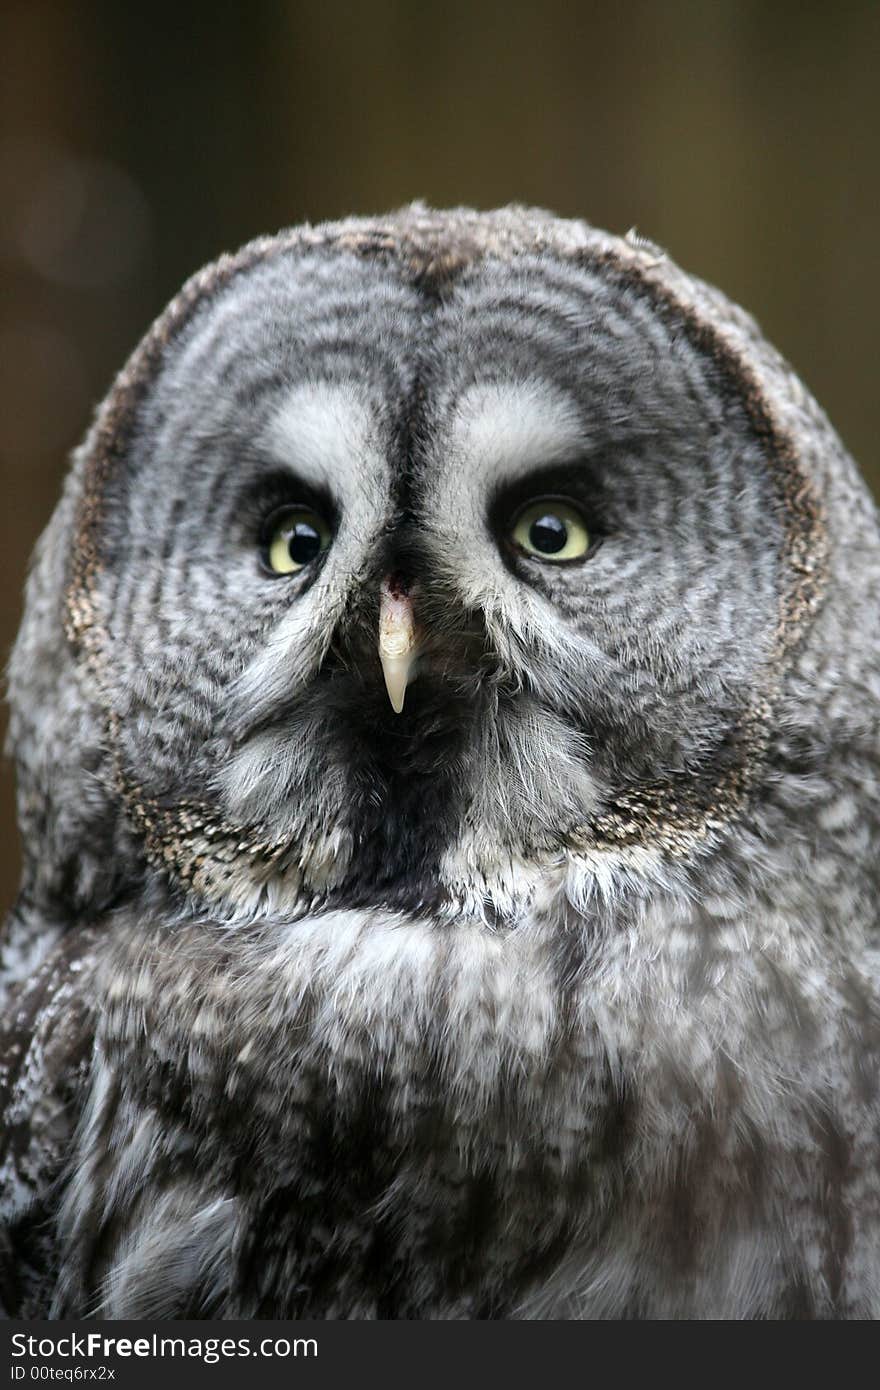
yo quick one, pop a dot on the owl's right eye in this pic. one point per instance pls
(292, 538)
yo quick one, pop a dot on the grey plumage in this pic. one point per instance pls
(554, 995)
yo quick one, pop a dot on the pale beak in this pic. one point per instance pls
(398, 647)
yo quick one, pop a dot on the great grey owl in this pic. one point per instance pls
(446, 718)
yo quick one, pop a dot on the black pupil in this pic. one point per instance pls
(304, 543)
(548, 534)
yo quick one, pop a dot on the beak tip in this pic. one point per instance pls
(395, 684)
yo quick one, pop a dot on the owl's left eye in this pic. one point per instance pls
(551, 529)
(293, 538)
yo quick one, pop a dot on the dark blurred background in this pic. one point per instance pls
(138, 142)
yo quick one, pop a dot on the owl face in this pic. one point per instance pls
(402, 580)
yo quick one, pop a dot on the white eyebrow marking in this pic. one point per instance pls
(507, 429)
(324, 431)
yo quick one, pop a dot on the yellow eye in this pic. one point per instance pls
(295, 537)
(551, 529)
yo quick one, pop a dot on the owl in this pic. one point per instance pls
(446, 724)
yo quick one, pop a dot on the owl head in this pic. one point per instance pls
(427, 560)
